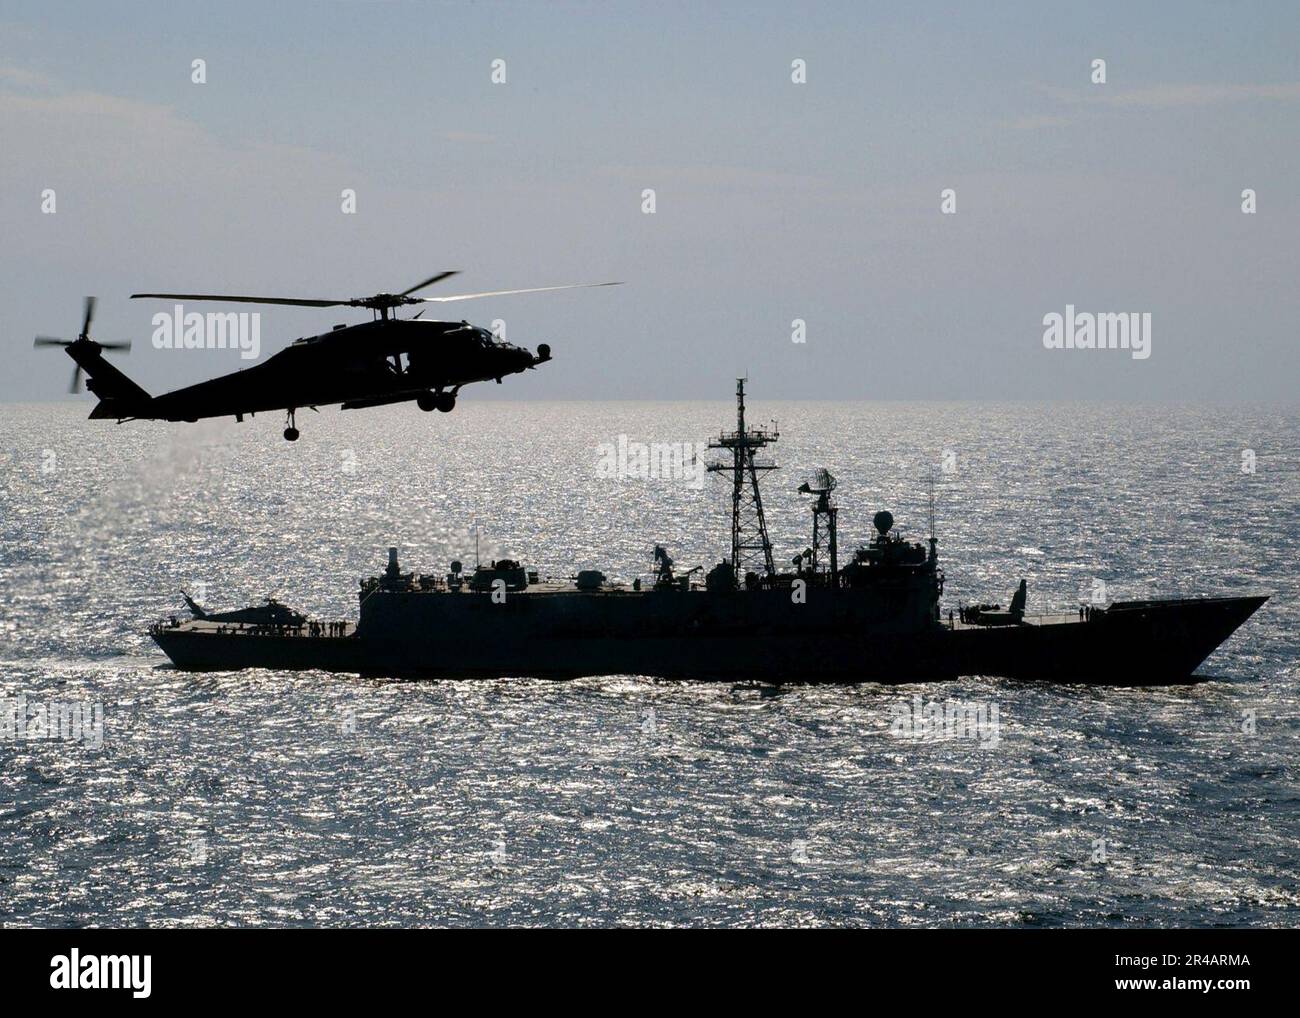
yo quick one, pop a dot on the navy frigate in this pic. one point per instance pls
(877, 616)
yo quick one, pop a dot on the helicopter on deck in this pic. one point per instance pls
(386, 360)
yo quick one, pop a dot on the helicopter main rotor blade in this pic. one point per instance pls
(242, 299)
(380, 302)
(502, 293)
(429, 282)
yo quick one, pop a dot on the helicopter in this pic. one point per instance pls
(383, 361)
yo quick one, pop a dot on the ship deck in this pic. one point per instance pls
(1043, 619)
(250, 629)
(349, 629)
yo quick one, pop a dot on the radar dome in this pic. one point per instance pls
(884, 521)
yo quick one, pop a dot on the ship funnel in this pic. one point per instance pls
(393, 568)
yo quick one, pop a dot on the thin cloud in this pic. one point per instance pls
(1173, 95)
(1036, 123)
(24, 77)
(469, 137)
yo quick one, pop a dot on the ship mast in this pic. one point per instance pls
(934, 540)
(748, 528)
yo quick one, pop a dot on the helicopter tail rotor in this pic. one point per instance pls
(83, 347)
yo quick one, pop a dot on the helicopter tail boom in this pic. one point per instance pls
(119, 397)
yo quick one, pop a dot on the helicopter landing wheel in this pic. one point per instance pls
(444, 402)
(426, 401)
(291, 427)
(291, 434)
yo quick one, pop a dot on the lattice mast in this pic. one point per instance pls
(749, 540)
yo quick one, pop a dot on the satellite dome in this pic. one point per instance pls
(883, 521)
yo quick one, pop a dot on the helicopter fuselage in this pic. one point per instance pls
(385, 361)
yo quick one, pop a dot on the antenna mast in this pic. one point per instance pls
(934, 540)
(749, 538)
(821, 485)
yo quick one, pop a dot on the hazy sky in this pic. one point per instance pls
(775, 200)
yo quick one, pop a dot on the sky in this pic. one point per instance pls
(775, 201)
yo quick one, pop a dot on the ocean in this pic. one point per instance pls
(261, 798)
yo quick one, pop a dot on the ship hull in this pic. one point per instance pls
(467, 636)
(1137, 643)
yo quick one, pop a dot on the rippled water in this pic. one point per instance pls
(267, 798)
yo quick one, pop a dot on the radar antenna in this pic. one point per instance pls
(821, 484)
